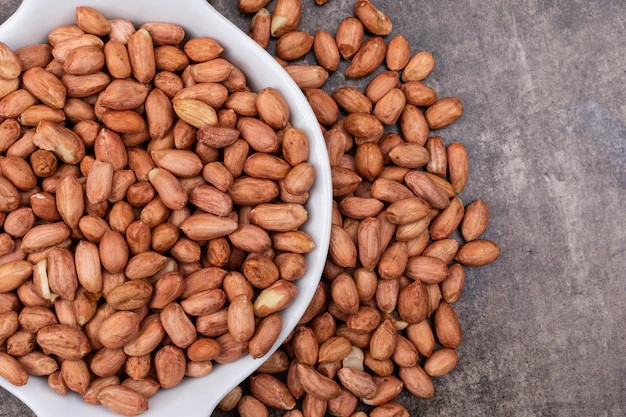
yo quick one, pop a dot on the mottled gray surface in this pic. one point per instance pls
(544, 89)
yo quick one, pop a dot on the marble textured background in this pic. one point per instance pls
(543, 83)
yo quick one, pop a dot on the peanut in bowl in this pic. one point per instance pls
(157, 171)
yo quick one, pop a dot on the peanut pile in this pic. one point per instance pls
(382, 319)
(150, 205)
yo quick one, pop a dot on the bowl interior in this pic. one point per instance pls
(193, 397)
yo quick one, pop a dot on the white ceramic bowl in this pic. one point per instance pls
(193, 397)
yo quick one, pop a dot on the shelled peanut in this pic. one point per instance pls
(382, 321)
(151, 206)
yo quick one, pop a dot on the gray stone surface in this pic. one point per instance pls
(544, 88)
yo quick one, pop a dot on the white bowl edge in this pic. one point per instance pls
(193, 397)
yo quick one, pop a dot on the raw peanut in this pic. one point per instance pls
(368, 236)
(334, 349)
(369, 57)
(427, 269)
(419, 67)
(80, 86)
(141, 54)
(241, 319)
(20, 343)
(390, 106)
(423, 186)
(478, 253)
(33, 318)
(260, 165)
(217, 137)
(84, 60)
(295, 146)
(383, 341)
(345, 294)
(249, 406)
(231, 349)
(62, 340)
(390, 410)
(107, 362)
(130, 295)
(274, 298)
(119, 329)
(38, 364)
(458, 166)
(291, 266)
(266, 334)
(393, 261)
(323, 106)
(123, 95)
(286, 17)
(117, 59)
(272, 108)
(405, 353)
(438, 163)
(260, 27)
(169, 188)
(230, 400)
(448, 220)
(475, 220)
(96, 385)
(381, 85)
(19, 172)
(342, 250)
(413, 304)
(434, 297)
(444, 112)
(419, 94)
(11, 66)
(305, 76)
(421, 335)
(250, 6)
(326, 50)
(343, 405)
(204, 302)
(389, 387)
(164, 33)
(260, 271)
(441, 362)
(202, 49)
(272, 392)
(417, 382)
(91, 21)
(363, 125)
(260, 136)
(349, 37)
(372, 18)
(12, 370)
(147, 387)
(398, 53)
(409, 155)
(408, 210)
(357, 382)
(360, 208)
(316, 384)
(294, 45)
(121, 30)
(352, 100)
(66, 144)
(14, 104)
(123, 400)
(447, 326)
(414, 125)
(212, 71)
(34, 114)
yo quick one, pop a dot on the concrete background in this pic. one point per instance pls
(543, 83)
